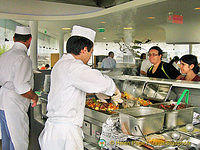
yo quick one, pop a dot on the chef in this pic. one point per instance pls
(16, 92)
(71, 79)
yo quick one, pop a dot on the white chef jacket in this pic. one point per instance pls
(108, 63)
(16, 79)
(71, 79)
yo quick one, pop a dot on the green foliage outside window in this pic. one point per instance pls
(3, 49)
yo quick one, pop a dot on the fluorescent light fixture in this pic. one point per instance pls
(151, 17)
(66, 28)
(128, 28)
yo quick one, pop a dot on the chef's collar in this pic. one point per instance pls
(20, 46)
(71, 56)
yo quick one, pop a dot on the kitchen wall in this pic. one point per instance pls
(46, 43)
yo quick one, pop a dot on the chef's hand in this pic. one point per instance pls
(102, 97)
(34, 100)
(117, 97)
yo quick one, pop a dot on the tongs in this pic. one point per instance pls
(185, 92)
(146, 145)
(108, 100)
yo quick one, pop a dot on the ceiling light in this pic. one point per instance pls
(128, 28)
(66, 28)
(198, 8)
(102, 22)
(100, 28)
(151, 17)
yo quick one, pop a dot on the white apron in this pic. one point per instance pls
(15, 108)
(61, 134)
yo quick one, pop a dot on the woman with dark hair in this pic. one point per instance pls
(160, 69)
(189, 67)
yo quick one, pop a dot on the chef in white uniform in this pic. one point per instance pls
(16, 92)
(71, 79)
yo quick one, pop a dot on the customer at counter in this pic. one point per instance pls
(71, 79)
(161, 69)
(189, 67)
(109, 62)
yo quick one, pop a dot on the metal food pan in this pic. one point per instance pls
(100, 116)
(176, 118)
(142, 119)
(156, 91)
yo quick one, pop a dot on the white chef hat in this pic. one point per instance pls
(84, 32)
(22, 30)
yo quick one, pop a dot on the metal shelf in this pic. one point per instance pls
(176, 83)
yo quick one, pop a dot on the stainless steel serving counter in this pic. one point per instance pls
(93, 120)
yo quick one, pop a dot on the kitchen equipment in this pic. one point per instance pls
(93, 121)
(150, 120)
(156, 91)
(174, 118)
(176, 135)
(43, 105)
(47, 81)
(189, 127)
(135, 88)
(189, 130)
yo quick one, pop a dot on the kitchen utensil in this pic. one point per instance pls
(142, 133)
(190, 127)
(176, 135)
(185, 92)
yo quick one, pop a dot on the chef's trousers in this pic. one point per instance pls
(6, 139)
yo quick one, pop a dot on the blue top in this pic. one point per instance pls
(108, 63)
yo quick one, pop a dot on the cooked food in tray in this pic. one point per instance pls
(128, 102)
(95, 104)
(156, 139)
(139, 101)
(171, 106)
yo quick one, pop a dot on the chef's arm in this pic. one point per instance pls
(30, 95)
(92, 81)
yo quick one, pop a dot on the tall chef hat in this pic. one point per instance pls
(84, 32)
(22, 30)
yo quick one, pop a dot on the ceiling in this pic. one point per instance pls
(130, 14)
(94, 3)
